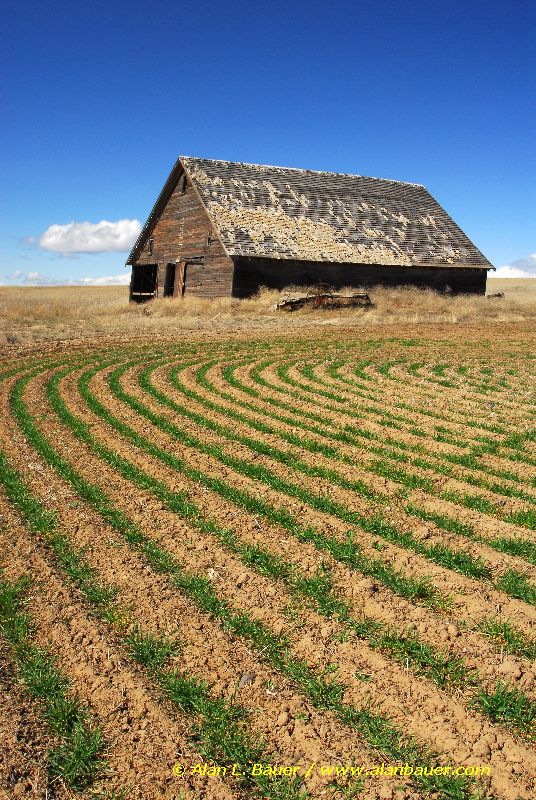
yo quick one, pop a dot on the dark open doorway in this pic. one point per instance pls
(144, 283)
(169, 283)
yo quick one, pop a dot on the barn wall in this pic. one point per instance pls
(252, 273)
(182, 233)
(212, 279)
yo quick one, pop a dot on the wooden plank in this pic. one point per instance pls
(178, 288)
(181, 233)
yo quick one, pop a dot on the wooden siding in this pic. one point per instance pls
(181, 233)
(208, 279)
(252, 273)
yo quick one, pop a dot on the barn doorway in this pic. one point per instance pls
(169, 283)
(144, 283)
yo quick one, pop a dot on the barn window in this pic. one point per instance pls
(183, 185)
(209, 239)
(150, 246)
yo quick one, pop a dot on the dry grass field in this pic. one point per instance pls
(31, 314)
(232, 538)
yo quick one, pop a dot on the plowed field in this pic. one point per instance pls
(316, 555)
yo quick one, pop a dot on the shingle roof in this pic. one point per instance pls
(281, 212)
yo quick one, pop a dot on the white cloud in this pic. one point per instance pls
(111, 280)
(91, 237)
(522, 268)
(36, 279)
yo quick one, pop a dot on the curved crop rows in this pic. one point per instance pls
(317, 552)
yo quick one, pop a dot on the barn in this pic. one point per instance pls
(225, 229)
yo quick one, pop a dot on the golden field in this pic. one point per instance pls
(31, 314)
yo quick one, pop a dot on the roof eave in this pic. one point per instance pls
(268, 257)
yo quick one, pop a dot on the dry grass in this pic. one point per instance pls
(41, 313)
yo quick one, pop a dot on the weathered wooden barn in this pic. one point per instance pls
(221, 228)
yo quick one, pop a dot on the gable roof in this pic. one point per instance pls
(287, 213)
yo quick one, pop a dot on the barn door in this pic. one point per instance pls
(169, 283)
(195, 281)
(180, 279)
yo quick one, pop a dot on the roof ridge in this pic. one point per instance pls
(301, 169)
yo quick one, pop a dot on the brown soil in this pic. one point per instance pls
(458, 585)
(256, 596)
(349, 472)
(206, 650)
(145, 734)
(143, 739)
(23, 742)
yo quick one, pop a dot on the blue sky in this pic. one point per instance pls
(100, 99)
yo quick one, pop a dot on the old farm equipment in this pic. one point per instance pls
(324, 296)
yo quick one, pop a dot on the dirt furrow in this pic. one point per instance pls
(504, 408)
(304, 554)
(344, 660)
(378, 399)
(278, 389)
(307, 735)
(143, 740)
(339, 420)
(409, 396)
(437, 731)
(488, 527)
(457, 428)
(256, 532)
(497, 561)
(405, 429)
(358, 452)
(481, 409)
